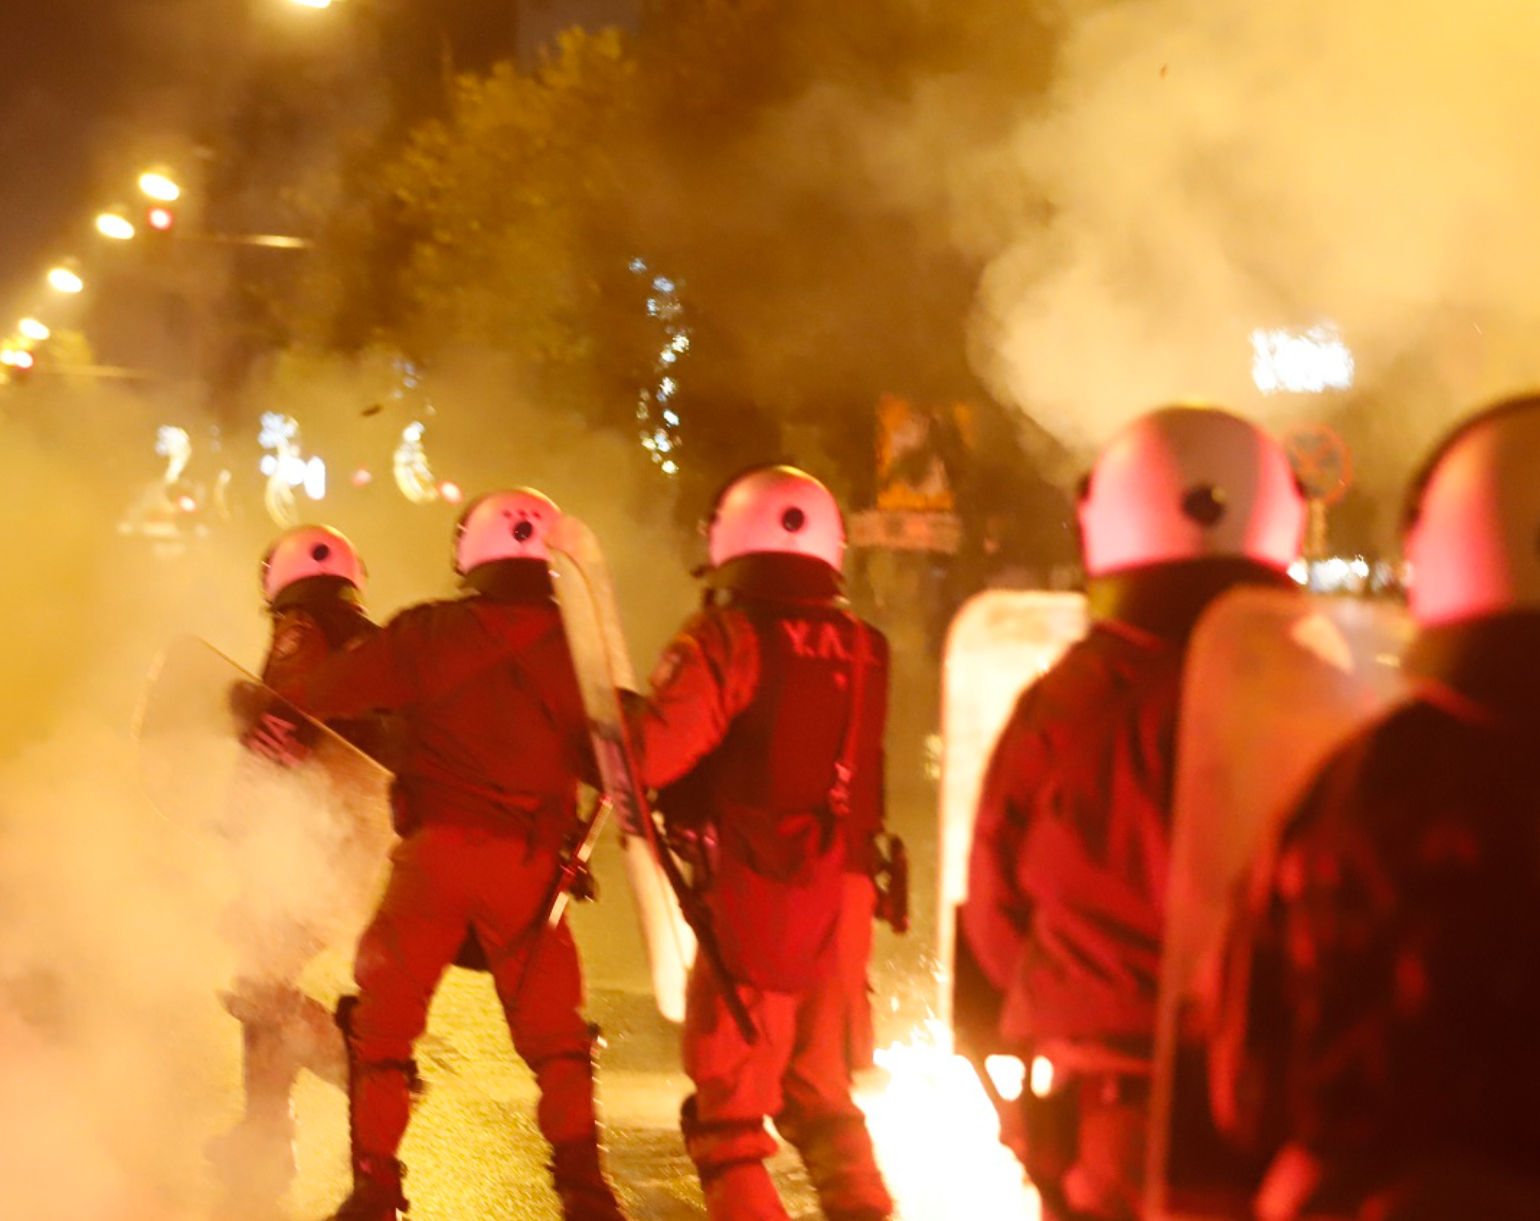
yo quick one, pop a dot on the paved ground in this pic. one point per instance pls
(473, 1150)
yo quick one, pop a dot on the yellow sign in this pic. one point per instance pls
(913, 446)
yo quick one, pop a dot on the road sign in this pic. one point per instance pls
(1321, 460)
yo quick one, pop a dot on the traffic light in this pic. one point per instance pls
(16, 365)
(160, 217)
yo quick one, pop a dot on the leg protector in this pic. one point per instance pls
(729, 1157)
(379, 1102)
(565, 1112)
(376, 1194)
(254, 1161)
(837, 1152)
(586, 1194)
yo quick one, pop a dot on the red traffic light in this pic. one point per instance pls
(160, 218)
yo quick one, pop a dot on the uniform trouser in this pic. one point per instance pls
(798, 1073)
(444, 881)
(1085, 1147)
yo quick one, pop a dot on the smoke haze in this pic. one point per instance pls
(1207, 169)
(119, 1060)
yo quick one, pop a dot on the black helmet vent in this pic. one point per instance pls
(1204, 504)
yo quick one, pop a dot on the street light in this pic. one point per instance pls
(157, 186)
(34, 330)
(62, 279)
(110, 224)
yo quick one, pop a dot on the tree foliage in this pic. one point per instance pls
(768, 156)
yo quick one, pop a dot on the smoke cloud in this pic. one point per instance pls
(1154, 181)
(1198, 171)
(116, 930)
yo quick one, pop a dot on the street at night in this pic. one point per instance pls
(1022, 517)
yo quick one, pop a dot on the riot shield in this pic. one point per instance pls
(591, 620)
(304, 813)
(1274, 680)
(998, 643)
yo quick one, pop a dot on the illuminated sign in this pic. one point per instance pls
(1302, 362)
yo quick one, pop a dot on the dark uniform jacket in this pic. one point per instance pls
(312, 619)
(754, 700)
(1382, 986)
(1067, 871)
(494, 734)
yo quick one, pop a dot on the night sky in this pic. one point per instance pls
(67, 63)
(90, 87)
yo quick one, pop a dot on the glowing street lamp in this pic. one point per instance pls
(31, 328)
(63, 280)
(312, 3)
(110, 224)
(157, 186)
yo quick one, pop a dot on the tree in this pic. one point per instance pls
(770, 158)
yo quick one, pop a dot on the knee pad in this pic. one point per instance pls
(716, 1146)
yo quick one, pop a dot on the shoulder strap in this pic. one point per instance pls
(845, 765)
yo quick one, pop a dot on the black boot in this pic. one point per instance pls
(585, 1193)
(376, 1194)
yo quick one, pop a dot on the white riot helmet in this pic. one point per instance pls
(309, 551)
(508, 525)
(1471, 536)
(1190, 482)
(779, 510)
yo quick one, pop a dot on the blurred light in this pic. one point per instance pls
(1299, 570)
(275, 428)
(669, 467)
(450, 491)
(1306, 363)
(1041, 1078)
(409, 464)
(312, 3)
(186, 503)
(361, 478)
(110, 224)
(158, 186)
(16, 358)
(63, 280)
(1007, 1074)
(160, 219)
(292, 469)
(315, 479)
(34, 330)
(268, 466)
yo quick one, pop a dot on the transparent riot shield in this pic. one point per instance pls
(304, 814)
(591, 619)
(998, 643)
(1274, 680)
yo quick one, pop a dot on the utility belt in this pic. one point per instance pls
(543, 821)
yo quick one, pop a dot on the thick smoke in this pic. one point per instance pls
(114, 923)
(1205, 170)
(1159, 179)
